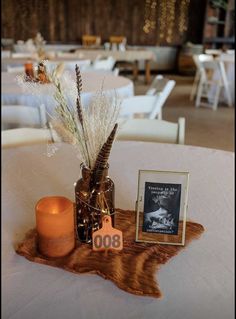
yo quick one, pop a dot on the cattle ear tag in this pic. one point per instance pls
(107, 238)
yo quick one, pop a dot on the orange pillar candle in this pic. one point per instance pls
(55, 226)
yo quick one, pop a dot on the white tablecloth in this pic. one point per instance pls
(12, 93)
(138, 54)
(197, 284)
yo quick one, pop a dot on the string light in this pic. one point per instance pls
(183, 21)
(170, 21)
(163, 14)
(167, 22)
(150, 16)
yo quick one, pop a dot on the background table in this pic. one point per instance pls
(12, 93)
(197, 283)
(132, 55)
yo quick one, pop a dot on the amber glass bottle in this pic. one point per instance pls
(94, 197)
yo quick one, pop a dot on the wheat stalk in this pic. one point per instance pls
(79, 108)
(87, 128)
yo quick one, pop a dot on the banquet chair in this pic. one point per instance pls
(227, 57)
(227, 66)
(212, 76)
(213, 52)
(5, 54)
(230, 51)
(117, 39)
(197, 60)
(140, 106)
(91, 40)
(7, 43)
(26, 136)
(148, 106)
(161, 85)
(117, 42)
(155, 83)
(70, 65)
(23, 116)
(104, 64)
(147, 130)
(116, 71)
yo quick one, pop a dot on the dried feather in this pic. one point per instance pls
(102, 162)
(104, 153)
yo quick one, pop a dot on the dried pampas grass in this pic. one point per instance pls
(86, 128)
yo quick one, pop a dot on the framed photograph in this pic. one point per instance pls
(161, 207)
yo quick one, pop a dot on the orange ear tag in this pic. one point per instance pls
(107, 238)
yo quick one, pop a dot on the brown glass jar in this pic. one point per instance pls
(94, 197)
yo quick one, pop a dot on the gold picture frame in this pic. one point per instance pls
(161, 207)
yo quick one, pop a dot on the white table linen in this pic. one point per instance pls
(13, 94)
(198, 283)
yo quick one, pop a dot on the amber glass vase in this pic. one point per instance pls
(94, 197)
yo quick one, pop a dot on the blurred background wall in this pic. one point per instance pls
(168, 22)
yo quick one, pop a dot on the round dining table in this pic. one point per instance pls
(92, 82)
(198, 283)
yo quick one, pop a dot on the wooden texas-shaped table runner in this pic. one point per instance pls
(133, 269)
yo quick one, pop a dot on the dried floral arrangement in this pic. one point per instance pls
(91, 129)
(40, 75)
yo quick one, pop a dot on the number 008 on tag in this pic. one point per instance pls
(107, 238)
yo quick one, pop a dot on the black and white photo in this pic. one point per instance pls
(161, 208)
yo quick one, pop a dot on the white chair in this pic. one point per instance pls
(140, 106)
(104, 64)
(149, 106)
(147, 130)
(228, 76)
(116, 72)
(155, 85)
(26, 136)
(7, 42)
(5, 54)
(227, 57)
(197, 60)
(82, 64)
(212, 79)
(23, 116)
(69, 65)
(214, 52)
